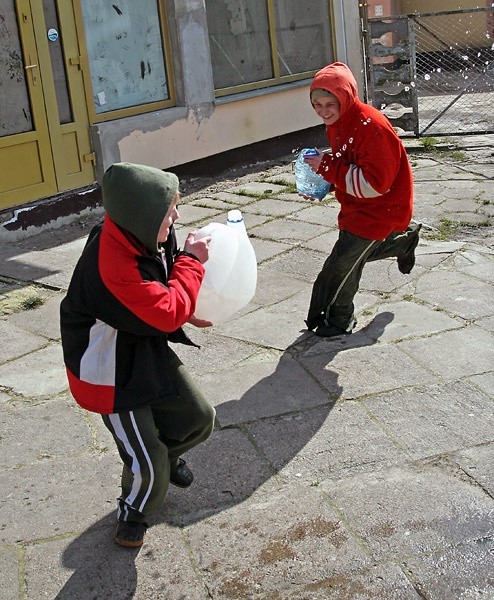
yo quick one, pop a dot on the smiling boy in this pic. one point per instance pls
(370, 173)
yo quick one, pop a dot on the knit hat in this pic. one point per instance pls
(137, 198)
(319, 93)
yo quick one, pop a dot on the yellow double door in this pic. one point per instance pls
(45, 144)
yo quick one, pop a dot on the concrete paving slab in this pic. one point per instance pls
(21, 443)
(452, 354)
(322, 243)
(357, 372)
(485, 382)
(213, 203)
(432, 189)
(478, 462)
(50, 499)
(412, 509)
(318, 346)
(44, 265)
(292, 196)
(434, 419)
(273, 287)
(384, 277)
(287, 232)
(238, 199)
(285, 177)
(16, 341)
(431, 216)
(238, 557)
(464, 296)
(319, 214)
(257, 390)
(410, 320)
(457, 203)
(475, 264)
(216, 352)
(435, 247)
(378, 581)
(228, 469)
(460, 572)
(277, 326)
(331, 442)
(9, 574)
(44, 320)
(301, 263)
(272, 207)
(40, 374)
(486, 323)
(256, 188)
(189, 214)
(265, 249)
(90, 566)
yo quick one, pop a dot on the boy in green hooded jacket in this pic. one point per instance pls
(130, 294)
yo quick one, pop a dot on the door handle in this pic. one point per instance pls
(30, 67)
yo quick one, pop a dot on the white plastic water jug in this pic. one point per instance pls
(230, 272)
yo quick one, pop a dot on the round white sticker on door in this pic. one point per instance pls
(52, 35)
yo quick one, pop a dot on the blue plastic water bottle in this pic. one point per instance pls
(309, 184)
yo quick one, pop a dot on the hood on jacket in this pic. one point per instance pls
(137, 198)
(339, 80)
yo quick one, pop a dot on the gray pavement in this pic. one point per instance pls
(352, 468)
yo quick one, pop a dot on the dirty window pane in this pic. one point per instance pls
(239, 40)
(241, 48)
(15, 110)
(303, 33)
(125, 51)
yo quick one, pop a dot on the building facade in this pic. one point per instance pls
(85, 83)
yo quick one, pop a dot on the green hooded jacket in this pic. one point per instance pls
(137, 198)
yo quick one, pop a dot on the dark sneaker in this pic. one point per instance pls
(406, 262)
(130, 534)
(331, 331)
(181, 475)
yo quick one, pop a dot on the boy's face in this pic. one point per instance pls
(170, 218)
(328, 108)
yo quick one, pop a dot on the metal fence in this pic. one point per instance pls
(433, 73)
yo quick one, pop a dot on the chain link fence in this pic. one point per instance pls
(433, 73)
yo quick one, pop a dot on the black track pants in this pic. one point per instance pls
(150, 439)
(338, 282)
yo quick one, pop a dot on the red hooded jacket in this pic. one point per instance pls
(368, 165)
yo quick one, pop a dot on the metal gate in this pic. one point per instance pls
(432, 73)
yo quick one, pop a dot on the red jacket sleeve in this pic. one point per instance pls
(166, 308)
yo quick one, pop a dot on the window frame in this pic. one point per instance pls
(120, 113)
(277, 79)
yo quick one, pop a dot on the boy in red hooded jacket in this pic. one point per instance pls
(369, 169)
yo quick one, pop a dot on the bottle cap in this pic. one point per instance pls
(235, 216)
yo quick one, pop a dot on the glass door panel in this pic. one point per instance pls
(15, 109)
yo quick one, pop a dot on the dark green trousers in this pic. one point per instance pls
(336, 285)
(152, 438)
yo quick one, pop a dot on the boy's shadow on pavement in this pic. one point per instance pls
(235, 462)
